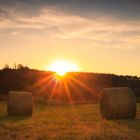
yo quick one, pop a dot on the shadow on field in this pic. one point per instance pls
(13, 118)
(4, 117)
(132, 123)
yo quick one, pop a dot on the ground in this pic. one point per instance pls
(67, 122)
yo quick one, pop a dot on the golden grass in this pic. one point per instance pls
(67, 122)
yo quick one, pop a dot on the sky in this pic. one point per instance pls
(98, 35)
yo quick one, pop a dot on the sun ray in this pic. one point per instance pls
(65, 83)
(43, 80)
(52, 92)
(91, 91)
(70, 83)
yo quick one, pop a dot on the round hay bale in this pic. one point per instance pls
(117, 103)
(20, 103)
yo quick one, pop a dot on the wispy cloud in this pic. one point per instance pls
(103, 32)
(40, 20)
(123, 9)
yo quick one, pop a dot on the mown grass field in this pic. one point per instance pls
(78, 122)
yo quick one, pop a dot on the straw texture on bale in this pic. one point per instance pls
(117, 103)
(19, 103)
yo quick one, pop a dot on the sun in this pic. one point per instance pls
(61, 67)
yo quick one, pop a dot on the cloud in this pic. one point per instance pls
(4, 15)
(40, 19)
(121, 9)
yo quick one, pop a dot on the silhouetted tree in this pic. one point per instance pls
(6, 67)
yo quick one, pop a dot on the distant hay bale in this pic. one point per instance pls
(20, 103)
(118, 103)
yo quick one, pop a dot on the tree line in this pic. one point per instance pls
(75, 86)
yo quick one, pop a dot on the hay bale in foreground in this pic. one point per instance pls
(118, 103)
(20, 103)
